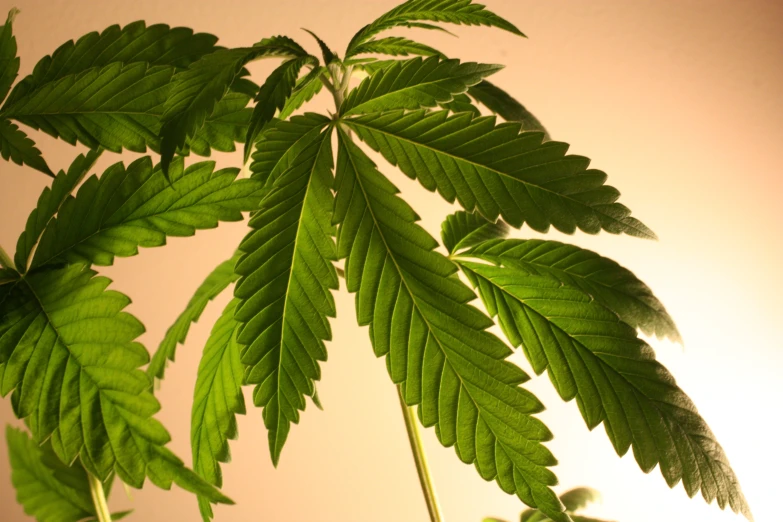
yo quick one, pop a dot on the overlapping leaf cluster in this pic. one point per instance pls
(67, 347)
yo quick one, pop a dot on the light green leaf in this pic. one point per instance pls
(604, 280)
(415, 83)
(217, 400)
(504, 105)
(136, 207)
(273, 96)
(281, 143)
(217, 281)
(285, 288)
(73, 366)
(49, 203)
(594, 357)
(9, 62)
(579, 498)
(395, 46)
(498, 170)
(461, 103)
(436, 344)
(461, 12)
(17, 147)
(464, 229)
(48, 490)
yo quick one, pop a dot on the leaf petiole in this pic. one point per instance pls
(102, 512)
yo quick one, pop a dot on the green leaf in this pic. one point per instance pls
(415, 83)
(273, 96)
(464, 229)
(611, 285)
(498, 170)
(578, 498)
(217, 281)
(72, 363)
(504, 105)
(49, 203)
(460, 12)
(285, 288)
(17, 147)
(395, 46)
(306, 88)
(9, 62)
(135, 43)
(435, 343)
(48, 490)
(218, 399)
(461, 103)
(594, 357)
(136, 207)
(328, 55)
(196, 91)
(281, 143)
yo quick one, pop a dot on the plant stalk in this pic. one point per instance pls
(417, 448)
(99, 499)
(5, 260)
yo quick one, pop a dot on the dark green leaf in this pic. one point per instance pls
(604, 280)
(594, 357)
(273, 96)
(217, 281)
(281, 46)
(501, 103)
(9, 62)
(415, 83)
(306, 88)
(48, 490)
(17, 147)
(461, 12)
(136, 207)
(435, 343)
(328, 54)
(49, 203)
(498, 170)
(464, 229)
(71, 360)
(285, 288)
(218, 399)
(461, 103)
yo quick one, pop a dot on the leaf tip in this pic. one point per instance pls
(12, 14)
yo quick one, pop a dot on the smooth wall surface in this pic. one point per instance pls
(678, 101)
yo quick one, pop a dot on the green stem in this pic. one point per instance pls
(5, 260)
(421, 460)
(102, 512)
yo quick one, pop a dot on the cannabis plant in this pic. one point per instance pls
(68, 355)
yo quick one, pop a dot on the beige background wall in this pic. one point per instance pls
(678, 101)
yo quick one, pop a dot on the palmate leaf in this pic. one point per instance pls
(218, 399)
(613, 286)
(498, 171)
(281, 143)
(273, 96)
(17, 147)
(9, 62)
(48, 490)
(217, 281)
(461, 12)
(413, 84)
(69, 356)
(195, 91)
(49, 203)
(504, 105)
(395, 46)
(594, 357)
(464, 229)
(436, 344)
(128, 208)
(285, 288)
